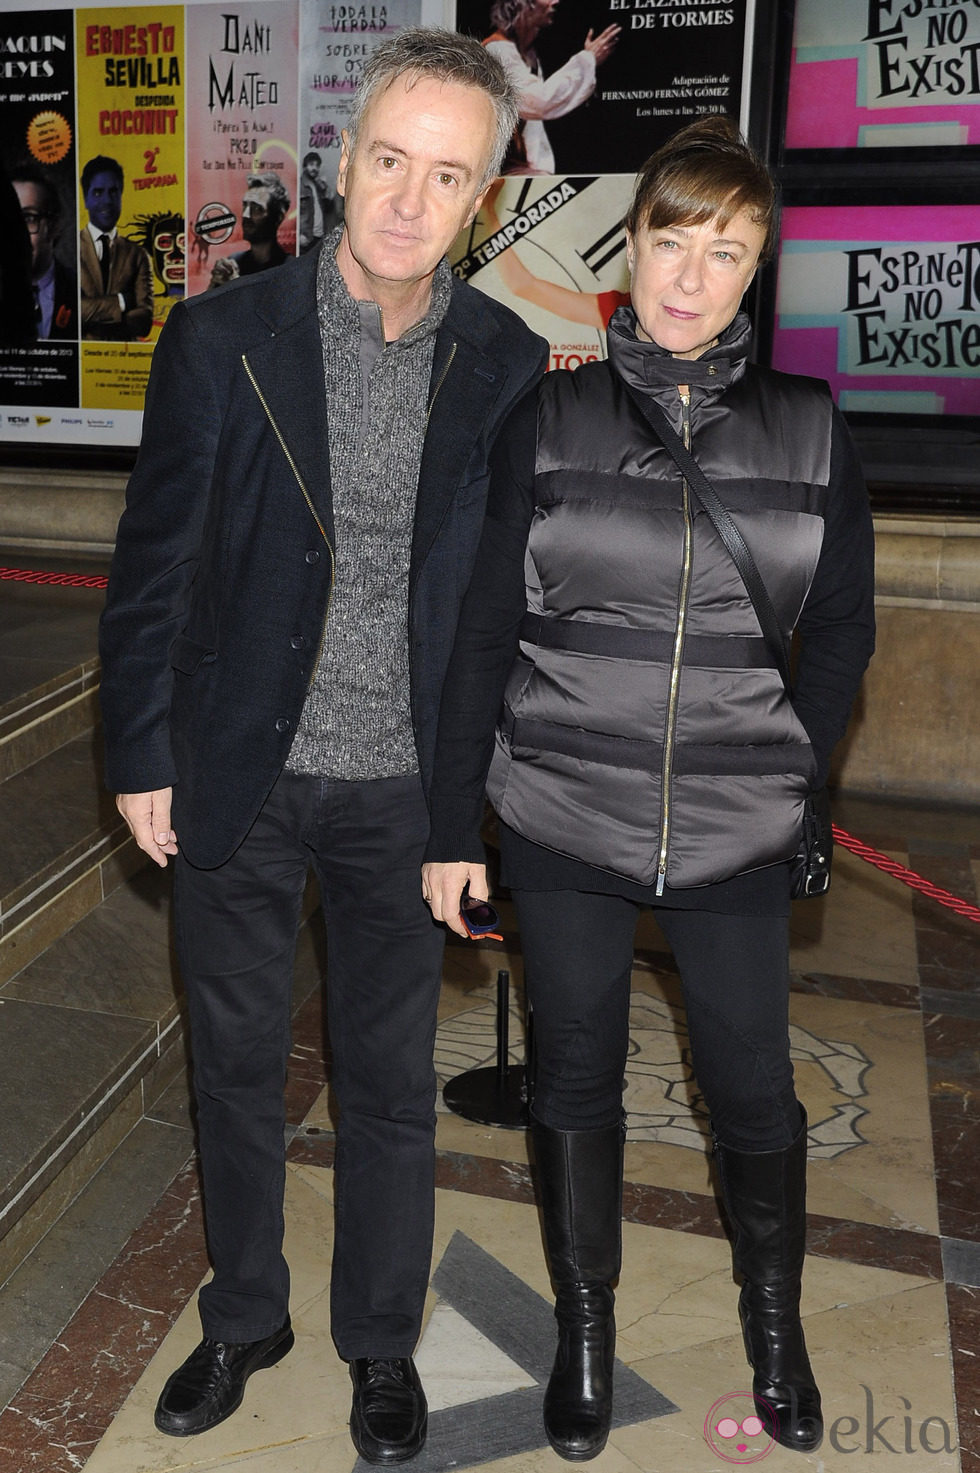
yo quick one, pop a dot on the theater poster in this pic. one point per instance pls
(335, 42)
(884, 303)
(39, 327)
(241, 127)
(668, 61)
(884, 74)
(554, 250)
(130, 64)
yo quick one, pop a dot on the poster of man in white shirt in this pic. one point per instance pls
(516, 25)
(602, 83)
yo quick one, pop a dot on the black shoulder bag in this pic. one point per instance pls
(810, 868)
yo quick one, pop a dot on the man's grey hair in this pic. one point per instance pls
(448, 57)
(278, 193)
(503, 13)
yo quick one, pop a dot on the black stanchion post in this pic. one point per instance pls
(495, 1095)
(503, 1028)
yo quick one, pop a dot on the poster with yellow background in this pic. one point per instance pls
(130, 64)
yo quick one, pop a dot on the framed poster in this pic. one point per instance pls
(553, 249)
(883, 301)
(130, 130)
(871, 74)
(241, 139)
(39, 332)
(145, 147)
(603, 82)
(876, 145)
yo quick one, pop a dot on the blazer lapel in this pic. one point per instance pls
(286, 368)
(91, 273)
(465, 383)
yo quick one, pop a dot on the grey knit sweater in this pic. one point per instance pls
(356, 723)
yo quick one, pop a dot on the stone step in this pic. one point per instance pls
(49, 669)
(37, 722)
(91, 1018)
(91, 1032)
(63, 849)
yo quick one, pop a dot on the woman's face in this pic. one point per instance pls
(687, 280)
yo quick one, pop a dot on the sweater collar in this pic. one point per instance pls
(648, 366)
(339, 310)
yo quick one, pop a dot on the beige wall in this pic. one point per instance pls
(916, 730)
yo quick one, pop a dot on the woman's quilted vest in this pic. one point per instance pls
(645, 729)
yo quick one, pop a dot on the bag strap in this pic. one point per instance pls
(721, 519)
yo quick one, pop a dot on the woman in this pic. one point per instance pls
(648, 753)
(516, 27)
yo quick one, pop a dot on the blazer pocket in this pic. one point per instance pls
(187, 656)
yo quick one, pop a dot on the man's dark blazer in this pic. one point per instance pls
(224, 557)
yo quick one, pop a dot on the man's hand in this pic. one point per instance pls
(442, 889)
(148, 817)
(223, 270)
(602, 45)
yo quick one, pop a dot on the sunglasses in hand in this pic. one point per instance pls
(479, 918)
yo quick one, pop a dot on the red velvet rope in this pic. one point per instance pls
(846, 840)
(906, 875)
(61, 580)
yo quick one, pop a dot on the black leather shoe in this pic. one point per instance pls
(209, 1386)
(388, 1416)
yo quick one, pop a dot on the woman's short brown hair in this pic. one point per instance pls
(706, 169)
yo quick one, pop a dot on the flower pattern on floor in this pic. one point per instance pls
(661, 1096)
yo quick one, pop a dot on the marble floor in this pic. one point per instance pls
(885, 1016)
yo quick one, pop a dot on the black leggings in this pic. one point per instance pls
(734, 970)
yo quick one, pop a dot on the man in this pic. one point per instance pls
(301, 525)
(319, 208)
(54, 285)
(117, 291)
(517, 24)
(264, 208)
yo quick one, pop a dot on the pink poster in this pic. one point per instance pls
(883, 301)
(241, 139)
(884, 74)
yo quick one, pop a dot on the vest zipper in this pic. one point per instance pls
(307, 498)
(676, 656)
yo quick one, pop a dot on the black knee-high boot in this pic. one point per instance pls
(580, 1181)
(765, 1194)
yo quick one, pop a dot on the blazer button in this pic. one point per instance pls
(298, 642)
(282, 724)
(312, 556)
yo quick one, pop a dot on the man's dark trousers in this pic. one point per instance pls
(236, 938)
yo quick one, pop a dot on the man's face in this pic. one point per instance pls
(35, 206)
(312, 168)
(258, 215)
(541, 13)
(103, 200)
(412, 181)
